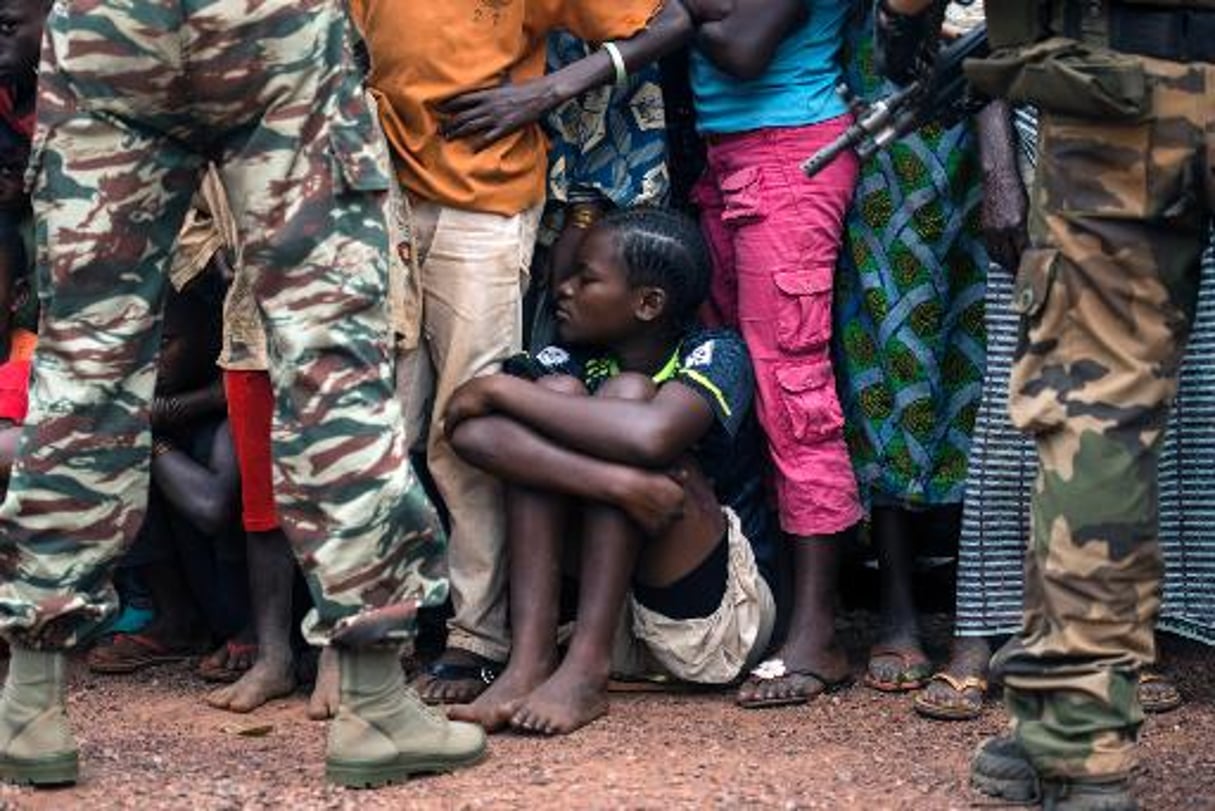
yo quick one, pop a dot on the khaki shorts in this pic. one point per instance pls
(716, 649)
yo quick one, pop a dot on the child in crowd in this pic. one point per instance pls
(764, 74)
(188, 552)
(477, 212)
(16, 345)
(630, 454)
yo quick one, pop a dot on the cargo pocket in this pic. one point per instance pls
(742, 197)
(803, 309)
(1040, 299)
(809, 401)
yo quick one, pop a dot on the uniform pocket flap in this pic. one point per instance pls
(803, 376)
(1035, 278)
(803, 283)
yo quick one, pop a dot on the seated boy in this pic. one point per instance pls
(189, 551)
(634, 453)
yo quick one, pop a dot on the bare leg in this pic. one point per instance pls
(615, 546)
(536, 523)
(577, 693)
(812, 658)
(271, 579)
(323, 703)
(897, 662)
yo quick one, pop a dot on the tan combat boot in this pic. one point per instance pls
(36, 746)
(383, 733)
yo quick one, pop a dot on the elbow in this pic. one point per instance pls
(214, 515)
(474, 441)
(746, 66)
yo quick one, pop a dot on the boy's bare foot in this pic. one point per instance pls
(654, 500)
(266, 680)
(493, 708)
(568, 701)
(326, 693)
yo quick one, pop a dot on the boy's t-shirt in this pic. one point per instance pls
(423, 52)
(714, 364)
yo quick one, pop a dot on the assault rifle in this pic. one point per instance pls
(943, 96)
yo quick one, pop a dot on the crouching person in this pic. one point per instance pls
(631, 456)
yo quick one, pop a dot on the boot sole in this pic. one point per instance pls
(57, 770)
(998, 777)
(364, 774)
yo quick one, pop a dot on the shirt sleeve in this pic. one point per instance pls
(595, 20)
(550, 361)
(718, 368)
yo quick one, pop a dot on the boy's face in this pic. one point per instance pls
(595, 303)
(20, 36)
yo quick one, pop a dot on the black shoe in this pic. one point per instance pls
(1001, 768)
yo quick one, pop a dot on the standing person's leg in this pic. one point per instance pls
(785, 231)
(110, 195)
(268, 553)
(473, 278)
(307, 174)
(1107, 296)
(897, 662)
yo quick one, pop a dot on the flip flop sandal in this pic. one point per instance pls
(210, 670)
(1168, 697)
(960, 711)
(913, 676)
(771, 670)
(484, 674)
(126, 653)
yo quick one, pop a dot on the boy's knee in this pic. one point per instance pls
(628, 386)
(473, 438)
(565, 384)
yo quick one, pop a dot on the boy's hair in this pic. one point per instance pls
(663, 248)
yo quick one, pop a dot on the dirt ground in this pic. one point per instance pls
(148, 742)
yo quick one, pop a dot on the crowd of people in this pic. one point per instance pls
(657, 381)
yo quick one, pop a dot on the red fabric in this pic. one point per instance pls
(21, 124)
(14, 390)
(250, 409)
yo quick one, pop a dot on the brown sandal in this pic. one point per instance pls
(963, 709)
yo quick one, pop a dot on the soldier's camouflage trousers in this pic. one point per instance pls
(1120, 217)
(134, 97)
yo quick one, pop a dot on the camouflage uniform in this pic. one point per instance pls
(134, 98)
(1120, 214)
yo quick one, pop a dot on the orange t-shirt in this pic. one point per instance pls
(424, 52)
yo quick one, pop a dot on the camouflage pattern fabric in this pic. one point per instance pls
(1121, 214)
(134, 98)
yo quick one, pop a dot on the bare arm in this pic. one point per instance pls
(484, 116)
(744, 42)
(207, 495)
(173, 411)
(9, 434)
(1005, 204)
(651, 434)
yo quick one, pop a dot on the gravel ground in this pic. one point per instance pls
(148, 742)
